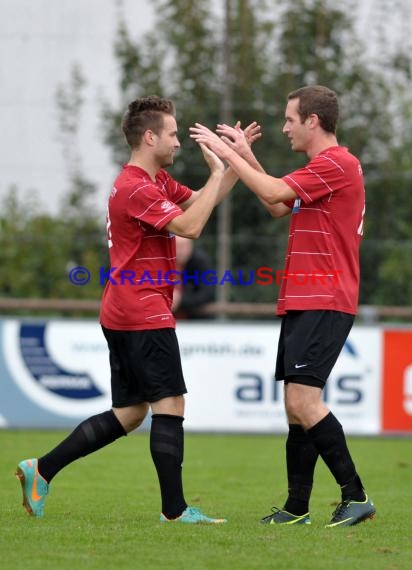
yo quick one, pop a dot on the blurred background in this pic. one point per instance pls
(68, 70)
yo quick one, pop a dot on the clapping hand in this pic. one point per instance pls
(237, 139)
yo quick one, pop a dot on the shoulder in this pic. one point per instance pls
(164, 177)
(335, 158)
(338, 154)
(131, 179)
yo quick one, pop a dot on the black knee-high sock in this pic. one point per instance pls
(301, 457)
(166, 447)
(329, 439)
(91, 435)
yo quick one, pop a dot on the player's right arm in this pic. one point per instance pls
(237, 140)
(192, 220)
(276, 210)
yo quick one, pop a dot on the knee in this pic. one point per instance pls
(304, 404)
(294, 411)
(295, 405)
(131, 417)
(133, 423)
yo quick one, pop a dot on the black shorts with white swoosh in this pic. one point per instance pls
(309, 345)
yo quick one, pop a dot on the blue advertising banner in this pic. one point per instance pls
(53, 373)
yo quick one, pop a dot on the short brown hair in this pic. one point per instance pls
(143, 114)
(318, 100)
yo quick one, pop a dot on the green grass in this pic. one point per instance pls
(103, 511)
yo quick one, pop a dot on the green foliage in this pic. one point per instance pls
(38, 250)
(70, 100)
(240, 65)
(393, 282)
(237, 64)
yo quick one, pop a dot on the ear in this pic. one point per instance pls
(149, 137)
(313, 120)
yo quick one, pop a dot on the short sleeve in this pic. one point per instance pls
(316, 180)
(176, 192)
(149, 204)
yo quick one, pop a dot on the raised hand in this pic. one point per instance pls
(240, 140)
(252, 132)
(204, 136)
(213, 161)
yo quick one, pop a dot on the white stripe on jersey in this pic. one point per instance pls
(315, 209)
(151, 295)
(146, 258)
(332, 161)
(159, 315)
(309, 253)
(320, 178)
(140, 188)
(304, 296)
(148, 208)
(319, 274)
(294, 181)
(313, 232)
(159, 222)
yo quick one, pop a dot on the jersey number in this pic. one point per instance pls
(109, 231)
(360, 228)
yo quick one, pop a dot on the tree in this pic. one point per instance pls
(37, 250)
(84, 226)
(276, 47)
(191, 35)
(259, 50)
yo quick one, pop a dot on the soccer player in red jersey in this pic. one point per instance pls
(146, 208)
(326, 202)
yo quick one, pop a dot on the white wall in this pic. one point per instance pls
(40, 40)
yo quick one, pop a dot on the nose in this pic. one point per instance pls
(285, 129)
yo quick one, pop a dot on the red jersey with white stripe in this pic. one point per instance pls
(322, 260)
(137, 295)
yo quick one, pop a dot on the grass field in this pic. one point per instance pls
(103, 511)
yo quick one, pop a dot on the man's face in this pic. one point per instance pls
(167, 142)
(296, 131)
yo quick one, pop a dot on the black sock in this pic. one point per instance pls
(91, 435)
(329, 439)
(301, 457)
(166, 447)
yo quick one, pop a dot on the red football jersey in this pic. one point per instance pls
(322, 260)
(139, 291)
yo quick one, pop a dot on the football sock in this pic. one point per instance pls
(353, 490)
(166, 447)
(301, 457)
(329, 439)
(92, 434)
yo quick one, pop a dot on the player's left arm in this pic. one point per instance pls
(267, 188)
(229, 179)
(249, 135)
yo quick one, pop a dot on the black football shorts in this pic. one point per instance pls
(309, 345)
(145, 366)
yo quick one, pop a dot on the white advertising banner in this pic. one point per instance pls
(229, 371)
(56, 373)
